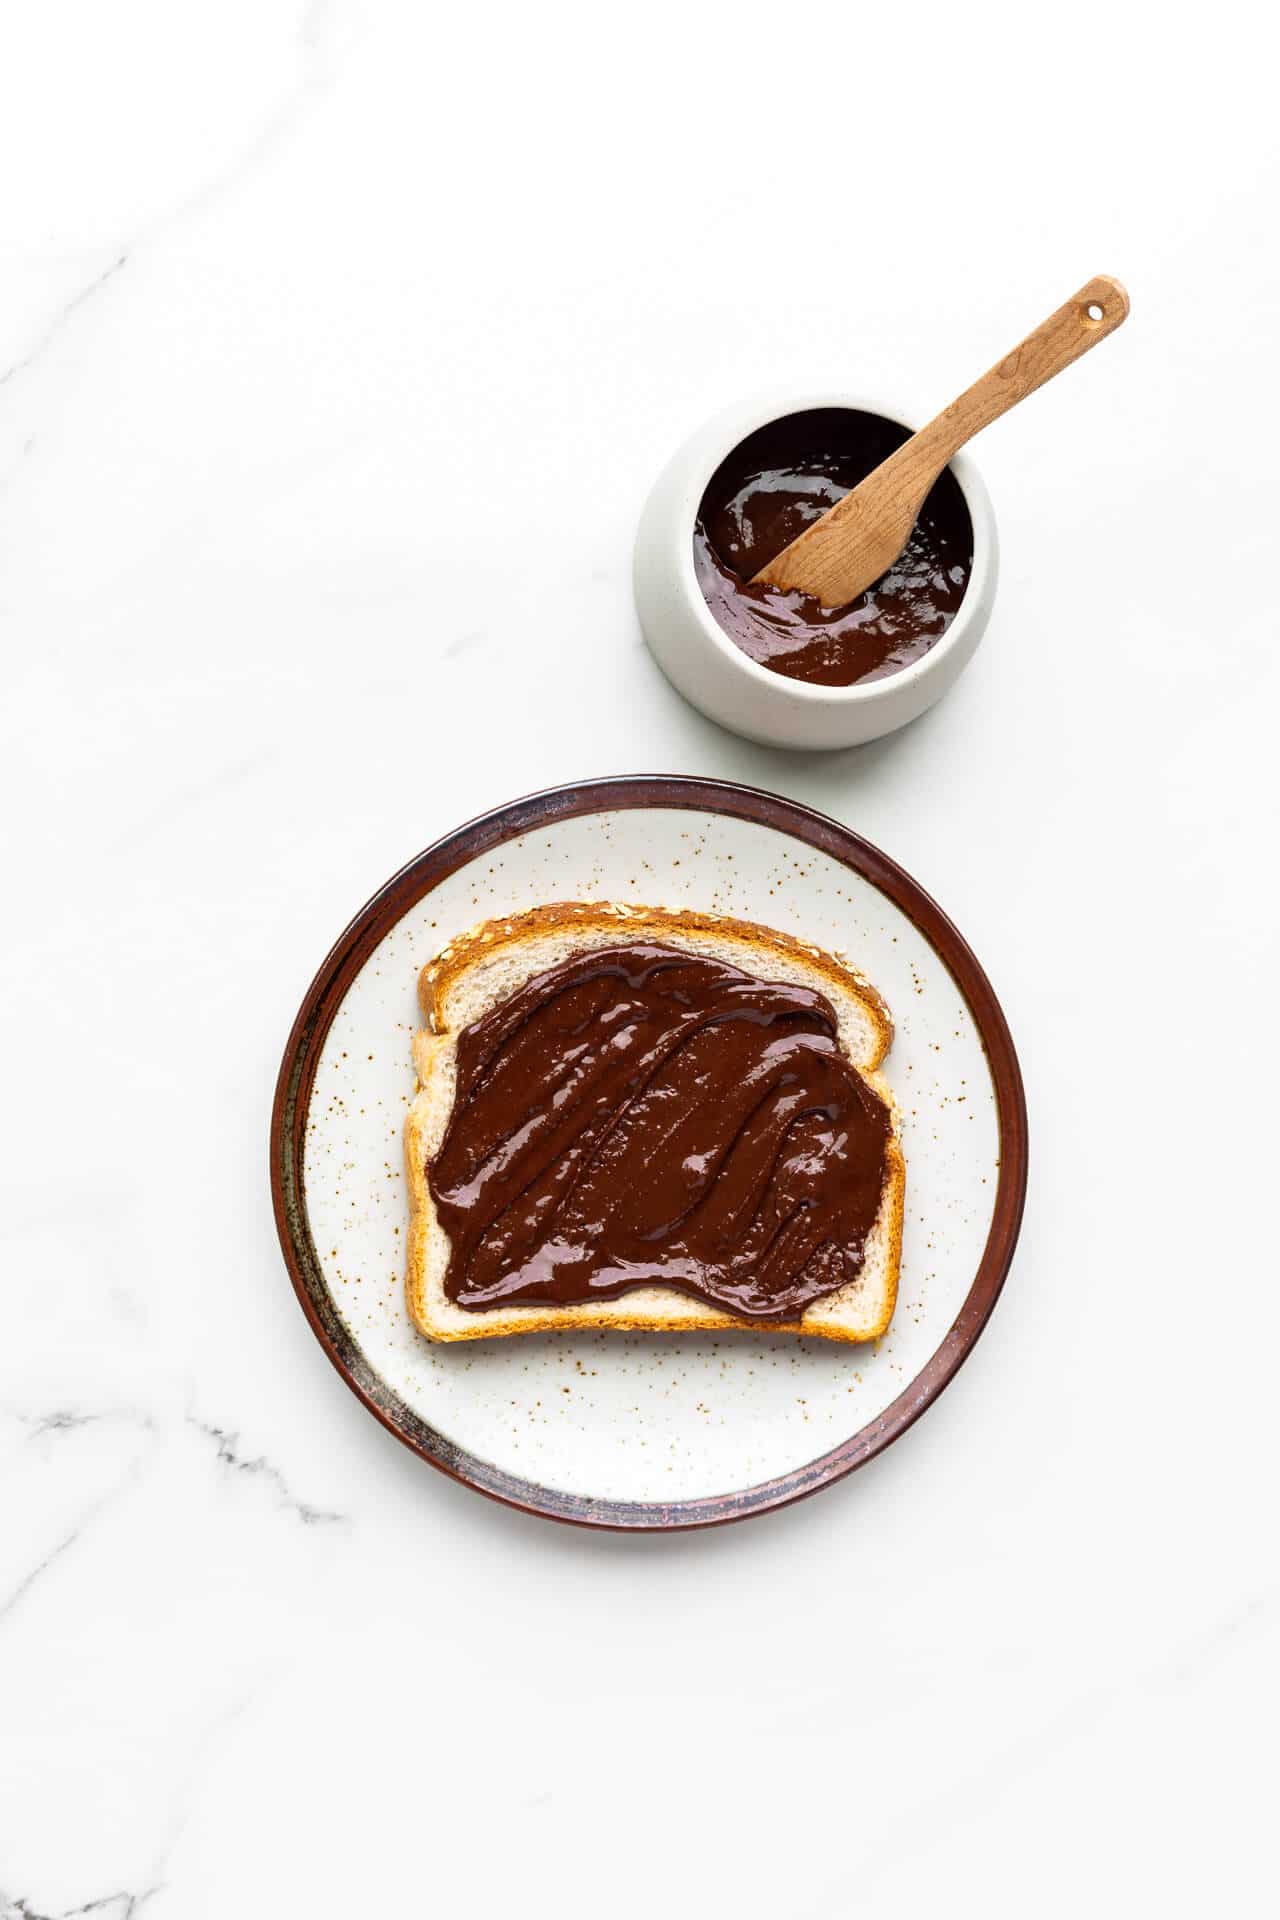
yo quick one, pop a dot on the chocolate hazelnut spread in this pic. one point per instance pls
(769, 489)
(641, 1115)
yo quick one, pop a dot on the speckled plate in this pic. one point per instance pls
(626, 1430)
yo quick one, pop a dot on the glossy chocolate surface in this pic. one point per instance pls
(769, 489)
(639, 1115)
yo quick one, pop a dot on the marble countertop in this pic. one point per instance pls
(297, 299)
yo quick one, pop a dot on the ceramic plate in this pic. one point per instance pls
(627, 1430)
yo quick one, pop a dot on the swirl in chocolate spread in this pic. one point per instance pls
(766, 492)
(640, 1115)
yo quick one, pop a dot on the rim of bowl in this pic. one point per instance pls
(738, 423)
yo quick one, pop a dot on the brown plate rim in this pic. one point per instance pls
(393, 901)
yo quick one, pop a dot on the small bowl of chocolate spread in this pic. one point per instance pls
(778, 666)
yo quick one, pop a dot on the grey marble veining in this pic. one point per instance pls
(108, 1906)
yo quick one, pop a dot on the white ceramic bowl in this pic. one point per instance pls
(702, 662)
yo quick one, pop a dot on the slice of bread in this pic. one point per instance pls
(484, 967)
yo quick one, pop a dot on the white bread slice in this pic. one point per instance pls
(484, 967)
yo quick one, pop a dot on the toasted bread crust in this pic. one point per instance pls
(635, 923)
(490, 940)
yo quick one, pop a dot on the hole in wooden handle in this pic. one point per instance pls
(1092, 312)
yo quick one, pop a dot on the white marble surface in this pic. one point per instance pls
(295, 299)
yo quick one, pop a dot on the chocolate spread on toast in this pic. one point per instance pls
(641, 1115)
